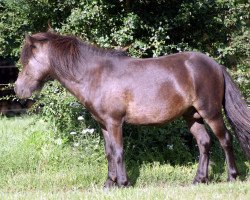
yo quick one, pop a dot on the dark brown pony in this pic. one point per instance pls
(116, 88)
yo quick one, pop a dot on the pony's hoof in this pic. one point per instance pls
(231, 178)
(110, 184)
(124, 184)
(203, 180)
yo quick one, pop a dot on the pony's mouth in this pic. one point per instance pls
(22, 93)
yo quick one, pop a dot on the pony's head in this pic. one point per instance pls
(52, 55)
(36, 66)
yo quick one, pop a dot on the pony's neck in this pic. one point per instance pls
(79, 86)
(74, 87)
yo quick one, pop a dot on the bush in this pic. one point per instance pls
(21, 17)
(147, 29)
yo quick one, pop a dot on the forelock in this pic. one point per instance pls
(26, 54)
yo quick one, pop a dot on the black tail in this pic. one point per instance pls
(237, 112)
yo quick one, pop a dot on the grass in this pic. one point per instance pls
(214, 191)
(36, 165)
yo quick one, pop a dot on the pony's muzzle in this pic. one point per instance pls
(21, 91)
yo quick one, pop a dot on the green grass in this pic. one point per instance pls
(238, 190)
(36, 165)
(31, 158)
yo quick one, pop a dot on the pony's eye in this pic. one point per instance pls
(32, 46)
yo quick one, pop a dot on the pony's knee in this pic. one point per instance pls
(206, 140)
(226, 141)
(204, 143)
(119, 156)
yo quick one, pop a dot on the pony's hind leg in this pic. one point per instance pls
(197, 128)
(218, 127)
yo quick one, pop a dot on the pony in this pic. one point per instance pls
(118, 89)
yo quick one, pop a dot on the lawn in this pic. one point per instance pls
(36, 165)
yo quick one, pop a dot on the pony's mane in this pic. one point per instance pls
(66, 52)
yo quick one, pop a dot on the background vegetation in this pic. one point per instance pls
(144, 28)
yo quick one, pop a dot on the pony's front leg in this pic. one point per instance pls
(112, 176)
(115, 155)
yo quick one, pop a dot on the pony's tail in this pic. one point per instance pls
(237, 112)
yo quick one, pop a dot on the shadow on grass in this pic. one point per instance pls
(218, 164)
(174, 145)
(170, 144)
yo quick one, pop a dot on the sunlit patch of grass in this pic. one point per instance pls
(237, 190)
(30, 158)
(157, 174)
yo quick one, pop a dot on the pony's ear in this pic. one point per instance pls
(39, 37)
(29, 40)
(50, 29)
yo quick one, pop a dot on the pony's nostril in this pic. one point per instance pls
(15, 87)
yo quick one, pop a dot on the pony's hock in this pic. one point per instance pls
(116, 88)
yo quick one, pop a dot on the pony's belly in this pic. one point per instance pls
(152, 115)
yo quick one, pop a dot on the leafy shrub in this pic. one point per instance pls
(147, 29)
(21, 17)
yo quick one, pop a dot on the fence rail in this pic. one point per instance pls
(7, 84)
(7, 66)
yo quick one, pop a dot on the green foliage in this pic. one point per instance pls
(153, 28)
(148, 29)
(242, 77)
(60, 108)
(168, 143)
(21, 17)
